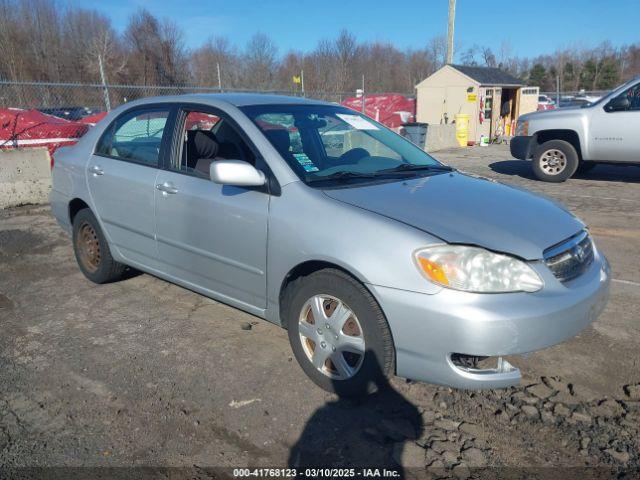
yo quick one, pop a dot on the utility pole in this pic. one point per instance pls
(302, 81)
(452, 21)
(219, 77)
(107, 102)
(363, 99)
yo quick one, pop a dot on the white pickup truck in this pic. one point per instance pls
(561, 142)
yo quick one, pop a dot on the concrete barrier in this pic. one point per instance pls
(25, 176)
(440, 136)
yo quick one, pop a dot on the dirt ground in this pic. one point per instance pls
(145, 373)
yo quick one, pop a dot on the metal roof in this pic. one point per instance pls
(488, 75)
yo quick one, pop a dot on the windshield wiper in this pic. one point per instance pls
(402, 168)
(340, 175)
(412, 167)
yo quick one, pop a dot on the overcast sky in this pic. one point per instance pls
(530, 27)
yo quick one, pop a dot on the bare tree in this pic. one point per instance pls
(468, 56)
(346, 48)
(156, 53)
(488, 57)
(216, 52)
(260, 62)
(438, 50)
(88, 35)
(320, 66)
(292, 64)
(418, 66)
(47, 40)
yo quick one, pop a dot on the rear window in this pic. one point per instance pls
(135, 136)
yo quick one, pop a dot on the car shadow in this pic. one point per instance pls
(601, 172)
(370, 432)
(130, 273)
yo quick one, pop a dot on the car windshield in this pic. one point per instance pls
(609, 95)
(332, 144)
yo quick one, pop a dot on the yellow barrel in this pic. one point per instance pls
(462, 128)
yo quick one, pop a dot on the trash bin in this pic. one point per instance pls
(416, 132)
(462, 128)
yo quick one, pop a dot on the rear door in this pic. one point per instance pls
(212, 237)
(121, 176)
(615, 135)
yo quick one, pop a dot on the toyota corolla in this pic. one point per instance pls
(373, 255)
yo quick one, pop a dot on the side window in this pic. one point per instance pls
(633, 94)
(136, 136)
(206, 138)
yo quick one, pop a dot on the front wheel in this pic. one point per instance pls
(339, 334)
(555, 161)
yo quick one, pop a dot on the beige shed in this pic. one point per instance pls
(492, 97)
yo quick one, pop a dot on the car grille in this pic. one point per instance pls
(571, 258)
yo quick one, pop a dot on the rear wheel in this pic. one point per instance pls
(92, 250)
(338, 333)
(555, 161)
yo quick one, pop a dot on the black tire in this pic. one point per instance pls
(92, 250)
(555, 151)
(379, 357)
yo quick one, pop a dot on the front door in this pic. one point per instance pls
(209, 236)
(121, 176)
(615, 135)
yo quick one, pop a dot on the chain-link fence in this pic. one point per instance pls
(97, 97)
(48, 96)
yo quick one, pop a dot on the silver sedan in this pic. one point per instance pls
(375, 257)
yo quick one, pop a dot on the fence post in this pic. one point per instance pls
(107, 102)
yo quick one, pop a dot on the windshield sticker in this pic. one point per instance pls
(305, 162)
(357, 122)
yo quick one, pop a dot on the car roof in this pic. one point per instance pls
(236, 99)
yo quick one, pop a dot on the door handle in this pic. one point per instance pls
(96, 171)
(167, 187)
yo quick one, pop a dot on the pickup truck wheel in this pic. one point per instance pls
(339, 334)
(555, 161)
(92, 250)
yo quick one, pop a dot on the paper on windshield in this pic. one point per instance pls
(357, 122)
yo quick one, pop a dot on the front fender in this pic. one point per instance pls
(305, 225)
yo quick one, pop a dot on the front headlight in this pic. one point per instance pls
(522, 128)
(474, 269)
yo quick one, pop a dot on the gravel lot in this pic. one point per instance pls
(144, 373)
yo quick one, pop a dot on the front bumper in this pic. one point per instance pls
(522, 147)
(428, 329)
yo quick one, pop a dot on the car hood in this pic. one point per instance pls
(557, 113)
(461, 208)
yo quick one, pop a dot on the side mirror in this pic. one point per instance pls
(236, 173)
(618, 104)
